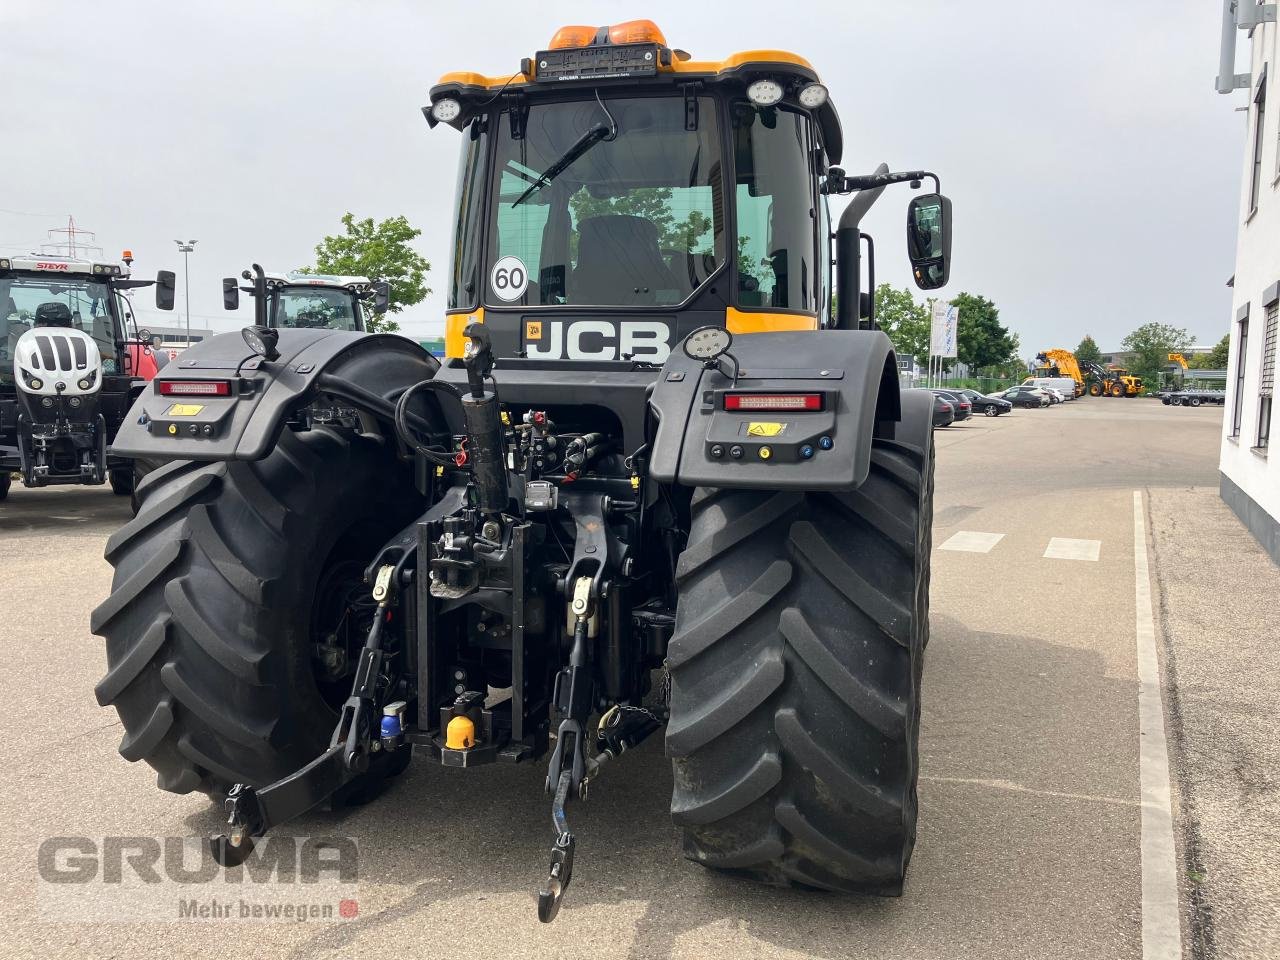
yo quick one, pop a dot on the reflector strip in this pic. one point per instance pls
(773, 401)
(195, 388)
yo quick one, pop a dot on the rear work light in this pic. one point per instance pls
(195, 388)
(773, 401)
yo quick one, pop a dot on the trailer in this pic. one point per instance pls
(1193, 398)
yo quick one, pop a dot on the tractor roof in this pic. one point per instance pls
(636, 52)
(333, 281)
(50, 263)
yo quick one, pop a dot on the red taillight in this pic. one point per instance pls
(195, 388)
(773, 401)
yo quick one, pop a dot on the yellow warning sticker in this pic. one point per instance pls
(184, 410)
(758, 429)
(533, 329)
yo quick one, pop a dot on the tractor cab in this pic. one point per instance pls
(614, 194)
(68, 366)
(308, 301)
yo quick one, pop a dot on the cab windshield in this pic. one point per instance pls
(314, 307)
(632, 215)
(87, 303)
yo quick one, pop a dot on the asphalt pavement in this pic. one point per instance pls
(1030, 837)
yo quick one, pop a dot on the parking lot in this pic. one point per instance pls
(1029, 838)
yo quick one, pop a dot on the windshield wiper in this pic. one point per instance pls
(580, 146)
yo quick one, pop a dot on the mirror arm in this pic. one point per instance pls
(881, 179)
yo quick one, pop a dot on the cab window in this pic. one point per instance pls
(605, 203)
(776, 208)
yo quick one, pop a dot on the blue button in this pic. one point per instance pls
(825, 443)
(806, 452)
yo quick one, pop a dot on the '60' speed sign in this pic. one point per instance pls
(509, 279)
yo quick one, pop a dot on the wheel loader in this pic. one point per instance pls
(657, 486)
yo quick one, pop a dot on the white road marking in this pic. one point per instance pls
(1064, 548)
(1161, 927)
(970, 541)
(1020, 788)
(73, 519)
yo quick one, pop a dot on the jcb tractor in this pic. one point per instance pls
(69, 369)
(1111, 381)
(656, 486)
(308, 301)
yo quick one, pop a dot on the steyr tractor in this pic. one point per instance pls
(657, 485)
(69, 369)
(307, 301)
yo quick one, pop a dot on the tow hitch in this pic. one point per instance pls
(571, 770)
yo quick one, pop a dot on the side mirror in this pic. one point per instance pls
(381, 296)
(929, 240)
(230, 294)
(166, 286)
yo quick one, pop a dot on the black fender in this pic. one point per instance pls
(701, 442)
(368, 371)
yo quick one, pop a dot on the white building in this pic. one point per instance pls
(1249, 465)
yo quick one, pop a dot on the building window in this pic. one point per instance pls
(1267, 380)
(1259, 125)
(1242, 348)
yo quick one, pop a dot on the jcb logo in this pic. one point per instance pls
(45, 265)
(599, 340)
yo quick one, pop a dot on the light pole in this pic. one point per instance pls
(186, 249)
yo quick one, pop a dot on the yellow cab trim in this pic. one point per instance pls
(455, 340)
(740, 321)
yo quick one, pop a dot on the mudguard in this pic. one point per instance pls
(262, 396)
(702, 441)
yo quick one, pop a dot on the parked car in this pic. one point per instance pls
(987, 406)
(963, 406)
(1030, 397)
(1065, 386)
(944, 414)
(1055, 395)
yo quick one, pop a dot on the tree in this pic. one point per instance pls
(905, 321)
(981, 339)
(1151, 345)
(379, 251)
(1215, 359)
(1088, 351)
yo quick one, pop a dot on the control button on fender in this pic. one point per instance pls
(765, 453)
(825, 443)
(717, 451)
(736, 452)
(806, 452)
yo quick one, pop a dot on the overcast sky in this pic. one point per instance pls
(1094, 171)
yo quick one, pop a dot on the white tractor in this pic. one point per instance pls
(67, 368)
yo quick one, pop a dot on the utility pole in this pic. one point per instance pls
(186, 249)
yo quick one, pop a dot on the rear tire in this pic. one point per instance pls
(208, 632)
(795, 676)
(5, 480)
(1195, 401)
(122, 481)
